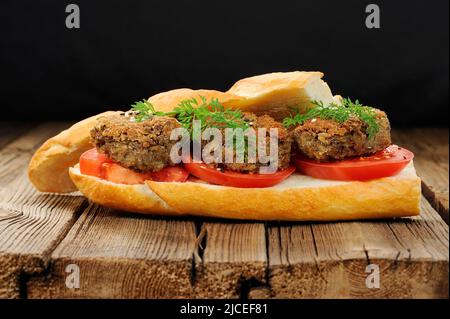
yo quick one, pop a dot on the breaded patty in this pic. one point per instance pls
(325, 140)
(284, 145)
(143, 146)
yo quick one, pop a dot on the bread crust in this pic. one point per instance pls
(48, 168)
(300, 198)
(167, 101)
(259, 85)
(276, 94)
(132, 198)
(281, 94)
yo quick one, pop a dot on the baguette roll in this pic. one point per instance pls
(48, 168)
(54, 168)
(281, 94)
(298, 198)
(132, 198)
(167, 101)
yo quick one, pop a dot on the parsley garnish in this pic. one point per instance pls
(144, 110)
(211, 114)
(338, 113)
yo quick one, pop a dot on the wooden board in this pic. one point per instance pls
(121, 255)
(9, 131)
(329, 260)
(17, 152)
(31, 224)
(430, 146)
(233, 258)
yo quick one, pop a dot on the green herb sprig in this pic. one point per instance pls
(211, 114)
(144, 110)
(338, 113)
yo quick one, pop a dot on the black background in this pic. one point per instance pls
(129, 50)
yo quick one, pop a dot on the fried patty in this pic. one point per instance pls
(284, 145)
(145, 146)
(325, 140)
(141, 146)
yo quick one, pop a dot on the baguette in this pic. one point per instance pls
(281, 94)
(298, 198)
(134, 198)
(54, 167)
(48, 168)
(166, 101)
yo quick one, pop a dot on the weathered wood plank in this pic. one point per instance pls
(121, 255)
(9, 131)
(431, 149)
(14, 157)
(31, 223)
(329, 260)
(234, 256)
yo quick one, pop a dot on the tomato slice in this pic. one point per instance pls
(91, 163)
(171, 174)
(387, 162)
(97, 164)
(235, 179)
(118, 174)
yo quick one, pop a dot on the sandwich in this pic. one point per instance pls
(277, 146)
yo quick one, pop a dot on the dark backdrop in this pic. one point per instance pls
(129, 50)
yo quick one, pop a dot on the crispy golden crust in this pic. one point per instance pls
(167, 101)
(132, 198)
(267, 83)
(279, 94)
(383, 198)
(275, 94)
(48, 168)
(299, 198)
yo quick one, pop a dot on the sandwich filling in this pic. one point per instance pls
(346, 141)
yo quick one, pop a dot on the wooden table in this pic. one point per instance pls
(46, 239)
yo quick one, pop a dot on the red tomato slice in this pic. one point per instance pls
(235, 179)
(91, 163)
(97, 164)
(385, 163)
(121, 175)
(171, 174)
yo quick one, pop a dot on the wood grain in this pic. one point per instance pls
(431, 149)
(234, 256)
(14, 157)
(31, 224)
(121, 256)
(329, 260)
(9, 131)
